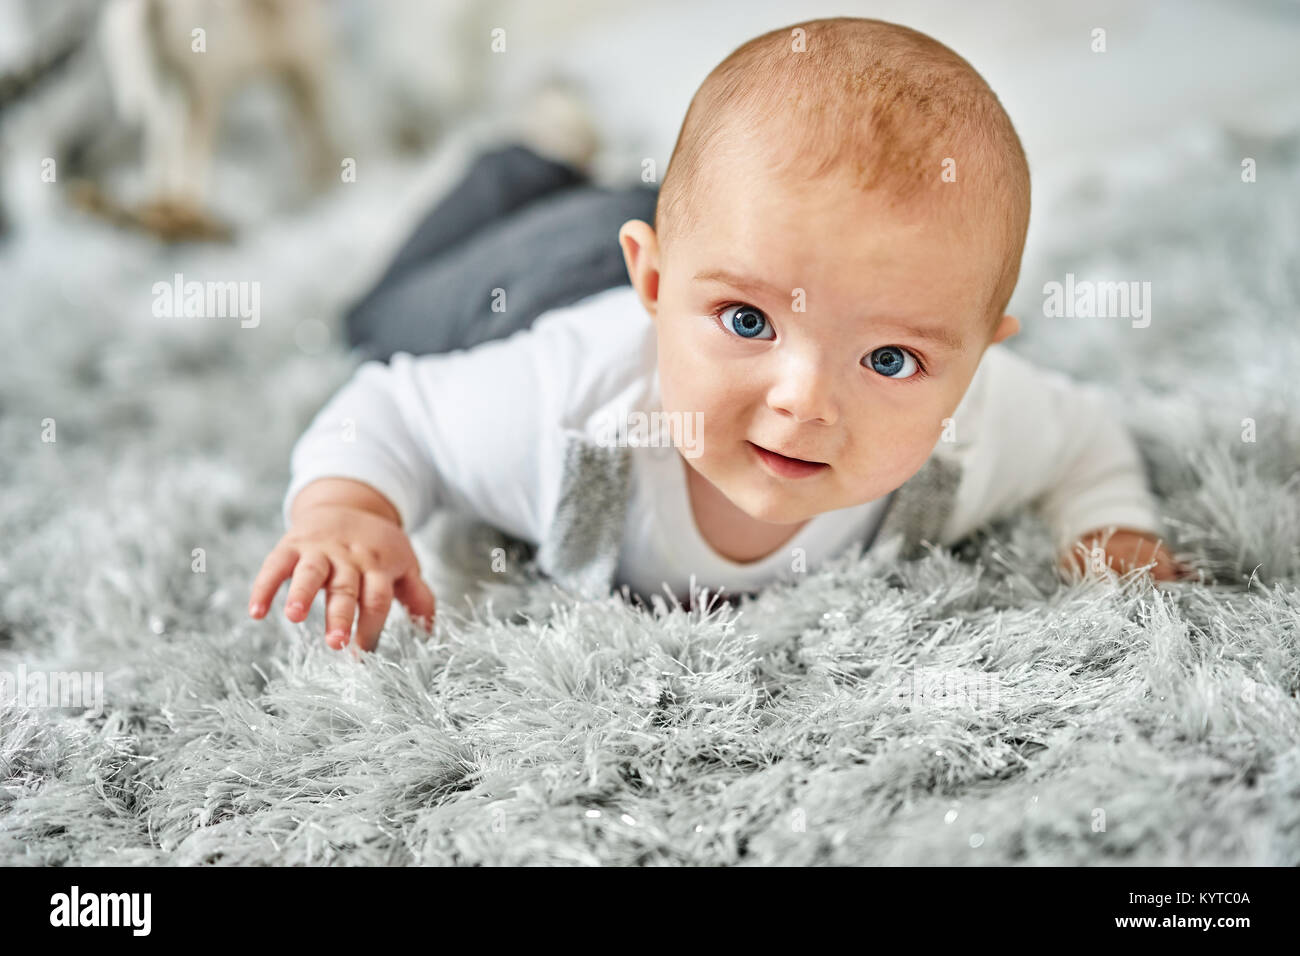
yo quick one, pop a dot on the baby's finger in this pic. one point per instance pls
(312, 570)
(420, 603)
(277, 566)
(341, 595)
(1163, 571)
(1175, 570)
(376, 599)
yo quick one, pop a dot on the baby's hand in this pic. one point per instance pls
(1122, 550)
(359, 556)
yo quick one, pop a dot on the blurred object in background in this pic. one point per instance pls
(58, 32)
(173, 66)
(132, 101)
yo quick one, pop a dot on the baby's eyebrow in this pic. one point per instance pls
(741, 282)
(940, 335)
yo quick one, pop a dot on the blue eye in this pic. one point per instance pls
(893, 362)
(747, 322)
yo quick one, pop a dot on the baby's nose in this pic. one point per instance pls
(804, 390)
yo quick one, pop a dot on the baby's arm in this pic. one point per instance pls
(361, 473)
(1098, 504)
(1044, 439)
(463, 430)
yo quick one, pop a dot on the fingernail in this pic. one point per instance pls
(254, 609)
(336, 637)
(294, 607)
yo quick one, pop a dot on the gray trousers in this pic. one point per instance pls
(517, 222)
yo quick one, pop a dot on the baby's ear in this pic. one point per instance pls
(641, 255)
(1008, 327)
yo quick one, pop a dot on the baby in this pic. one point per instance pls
(811, 329)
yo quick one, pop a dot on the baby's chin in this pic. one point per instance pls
(776, 505)
(796, 502)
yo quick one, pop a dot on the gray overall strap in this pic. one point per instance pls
(581, 550)
(919, 509)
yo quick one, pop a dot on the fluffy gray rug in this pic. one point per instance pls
(1098, 723)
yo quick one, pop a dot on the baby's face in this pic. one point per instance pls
(809, 321)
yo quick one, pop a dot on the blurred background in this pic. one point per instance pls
(127, 157)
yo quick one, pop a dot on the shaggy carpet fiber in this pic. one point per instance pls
(965, 708)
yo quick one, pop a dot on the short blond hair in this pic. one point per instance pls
(885, 104)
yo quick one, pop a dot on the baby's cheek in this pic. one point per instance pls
(688, 383)
(677, 392)
(884, 454)
(679, 370)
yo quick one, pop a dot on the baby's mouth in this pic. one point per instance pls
(783, 466)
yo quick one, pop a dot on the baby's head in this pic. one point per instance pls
(837, 236)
